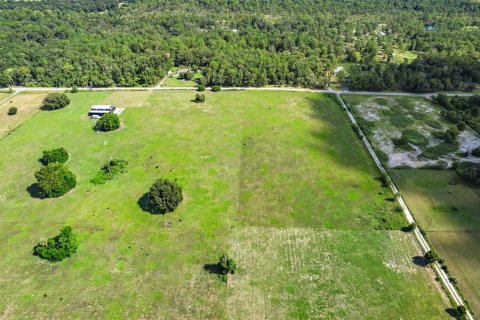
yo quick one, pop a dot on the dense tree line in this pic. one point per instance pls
(429, 73)
(239, 43)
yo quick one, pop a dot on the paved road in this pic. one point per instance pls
(418, 235)
(157, 88)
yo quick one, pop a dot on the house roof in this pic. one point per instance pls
(101, 107)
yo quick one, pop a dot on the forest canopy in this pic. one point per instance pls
(241, 43)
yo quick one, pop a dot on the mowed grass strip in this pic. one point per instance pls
(131, 264)
(303, 273)
(27, 104)
(448, 209)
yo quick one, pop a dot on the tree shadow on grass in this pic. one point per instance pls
(451, 312)
(144, 203)
(419, 261)
(34, 191)
(213, 268)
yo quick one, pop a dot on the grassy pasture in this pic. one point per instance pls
(316, 279)
(450, 214)
(246, 161)
(27, 105)
(130, 100)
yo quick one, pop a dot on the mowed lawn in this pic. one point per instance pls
(281, 163)
(449, 210)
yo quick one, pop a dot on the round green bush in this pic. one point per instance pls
(108, 122)
(59, 155)
(55, 101)
(201, 87)
(12, 111)
(216, 88)
(54, 180)
(59, 247)
(199, 98)
(164, 196)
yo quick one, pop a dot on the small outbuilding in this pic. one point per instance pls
(100, 110)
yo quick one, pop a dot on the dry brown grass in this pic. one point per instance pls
(26, 103)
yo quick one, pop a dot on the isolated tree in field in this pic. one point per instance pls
(55, 101)
(216, 88)
(59, 155)
(227, 265)
(59, 247)
(12, 111)
(199, 98)
(164, 196)
(108, 122)
(55, 180)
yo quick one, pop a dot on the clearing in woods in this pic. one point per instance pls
(278, 180)
(448, 209)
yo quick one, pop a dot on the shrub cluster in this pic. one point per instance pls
(59, 155)
(109, 170)
(108, 122)
(59, 247)
(216, 88)
(199, 98)
(164, 196)
(12, 111)
(201, 87)
(55, 180)
(55, 101)
(432, 257)
(227, 265)
(470, 172)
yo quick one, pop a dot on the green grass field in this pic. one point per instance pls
(448, 210)
(399, 56)
(278, 171)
